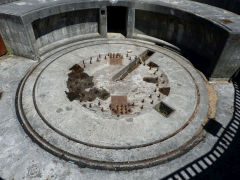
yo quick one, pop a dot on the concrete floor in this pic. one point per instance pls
(23, 159)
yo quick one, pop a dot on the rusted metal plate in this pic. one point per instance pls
(2, 47)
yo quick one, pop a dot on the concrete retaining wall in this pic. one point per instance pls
(15, 36)
(197, 37)
(202, 32)
(65, 25)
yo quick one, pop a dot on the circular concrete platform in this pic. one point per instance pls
(88, 132)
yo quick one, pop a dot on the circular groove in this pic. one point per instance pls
(95, 163)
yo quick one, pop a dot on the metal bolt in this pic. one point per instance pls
(132, 104)
(105, 57)
(90, 61)
(90, 105)
(150, 68)
(150, 96)
(102, 109)
(142, 107)
(143, 101)
(155, 90)
(99, 103)
(130, 58)
(152, 102)
(83, 62)
(159, 96)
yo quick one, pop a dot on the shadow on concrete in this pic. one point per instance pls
(213, 127)
(223, 161)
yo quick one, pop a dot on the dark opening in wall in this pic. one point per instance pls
(103, 12)
(86, 17)
(117, 19)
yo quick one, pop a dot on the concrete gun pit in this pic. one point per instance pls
(120, 85)
(122, 115)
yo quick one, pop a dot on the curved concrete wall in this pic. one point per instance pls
(199, 30)
(197, 37)
(65, 25)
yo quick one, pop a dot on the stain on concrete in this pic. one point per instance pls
(68, 108)
(59, 110)
(129, 120)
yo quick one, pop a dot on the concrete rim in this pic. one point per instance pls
(101, 164)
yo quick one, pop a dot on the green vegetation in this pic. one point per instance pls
(9, 52)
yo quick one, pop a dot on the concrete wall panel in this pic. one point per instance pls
(192, 34)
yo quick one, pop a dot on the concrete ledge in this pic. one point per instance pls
(66, 41)
(157, 41)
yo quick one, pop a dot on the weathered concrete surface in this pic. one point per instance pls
(186, 32)
(22, 159)
(7, 1)
(218, 41)
(93, 136)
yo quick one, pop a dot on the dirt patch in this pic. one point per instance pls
(213, 99)
(81, 86)
(165, 90)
